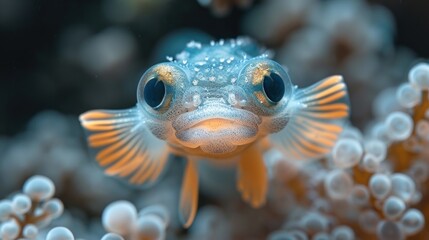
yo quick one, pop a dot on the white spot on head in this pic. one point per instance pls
(196, 100)
(194, 44)
(232, 99)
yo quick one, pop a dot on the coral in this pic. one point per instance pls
(29, 214)
(373, 185)
(374, 182)
(23, 214)
(121, 220)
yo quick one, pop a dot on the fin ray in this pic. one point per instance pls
(123, 146)
(316, 114)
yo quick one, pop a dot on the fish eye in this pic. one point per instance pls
(154, 92)
(273, 87)
(268, 82)
(159, 87)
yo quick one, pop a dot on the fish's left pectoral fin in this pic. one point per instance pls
(123, 145)
(189, 194)
(252, 179)
(316, 118)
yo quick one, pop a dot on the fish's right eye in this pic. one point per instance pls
(159, 87)
(154, 93)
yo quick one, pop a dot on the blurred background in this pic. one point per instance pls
(72, 56)
(61, 58)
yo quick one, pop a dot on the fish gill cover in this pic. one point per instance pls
(64, 58)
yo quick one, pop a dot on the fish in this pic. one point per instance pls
(223, 102)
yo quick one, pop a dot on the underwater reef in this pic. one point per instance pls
(373, 184)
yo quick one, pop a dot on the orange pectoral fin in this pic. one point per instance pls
(123, 146)
(252, 177)
(317, 115)
(189, 195)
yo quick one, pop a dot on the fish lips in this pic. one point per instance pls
(216, 125)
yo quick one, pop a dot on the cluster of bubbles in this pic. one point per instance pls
(30, 213)
(373, 184)
(122, 221)
(24, 213)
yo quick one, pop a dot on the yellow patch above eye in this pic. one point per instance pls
(261, 70)
(165, 73)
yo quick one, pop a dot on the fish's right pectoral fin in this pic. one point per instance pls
(316, 118)
(189, 194)
(123, 145)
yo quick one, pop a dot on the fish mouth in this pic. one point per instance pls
(216, 128)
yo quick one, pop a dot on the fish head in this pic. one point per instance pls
(215, 115)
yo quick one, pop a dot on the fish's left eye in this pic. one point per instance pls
(268, 83)
(274, 87)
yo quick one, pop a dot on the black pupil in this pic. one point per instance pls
(274, 87)
(154, 92)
